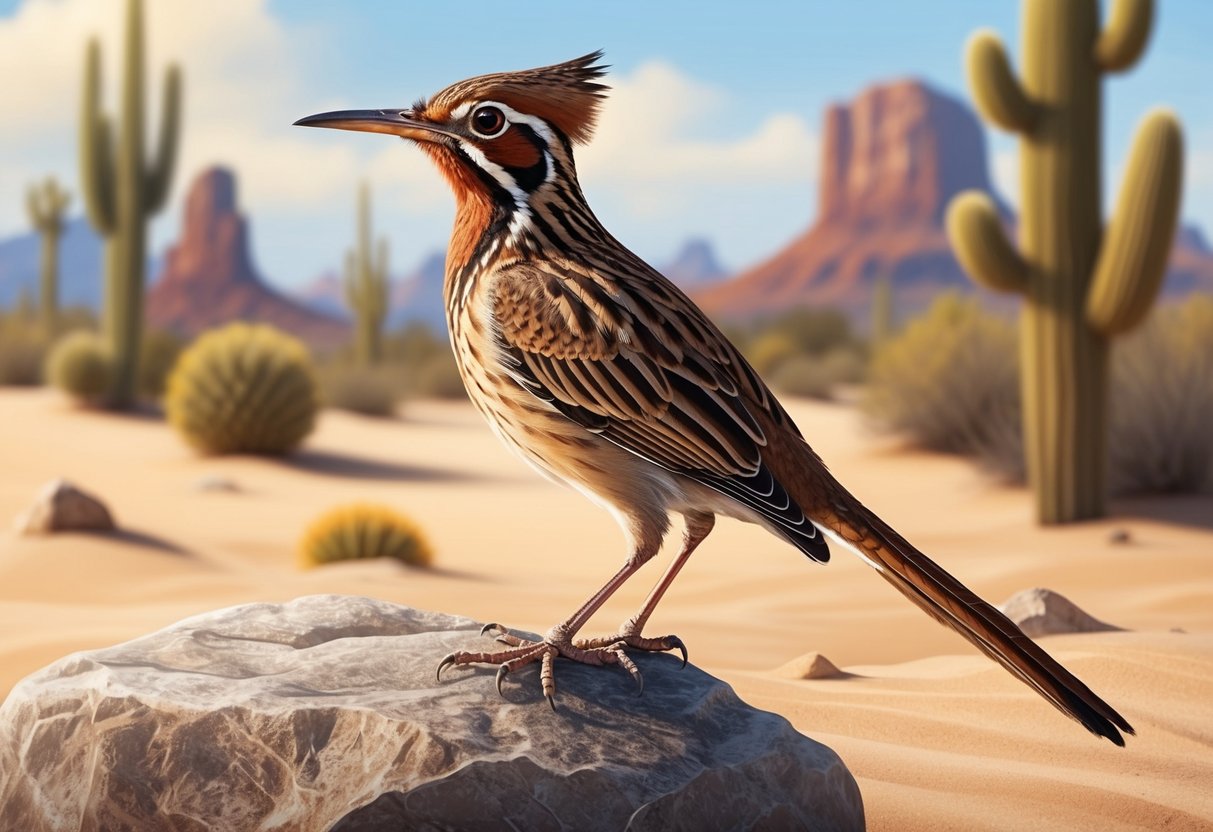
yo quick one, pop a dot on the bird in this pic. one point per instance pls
(603, 375)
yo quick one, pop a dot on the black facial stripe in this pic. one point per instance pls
(532, 177)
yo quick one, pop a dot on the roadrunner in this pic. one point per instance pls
(603, 375)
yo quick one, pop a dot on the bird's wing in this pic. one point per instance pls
(648, 372)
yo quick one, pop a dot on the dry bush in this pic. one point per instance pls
(817, 376)
(369, 391)
(22, 353)
(950, 382)
(158, 353)
(1162, 403)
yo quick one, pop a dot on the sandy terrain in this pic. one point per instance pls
(938, 737)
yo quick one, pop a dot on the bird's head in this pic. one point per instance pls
(497, 138)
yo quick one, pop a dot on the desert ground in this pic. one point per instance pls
(938, 737)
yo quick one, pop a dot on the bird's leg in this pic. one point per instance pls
(559, 640)
(698, 526)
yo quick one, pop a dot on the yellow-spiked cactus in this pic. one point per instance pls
(122, 189)
(243, 389)
(367, 286)
(79, 364)
(1083, 283)
(360, 531)
(47, 203)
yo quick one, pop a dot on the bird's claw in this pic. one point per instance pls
(447, 661)
(676, 642)
(488, 628)
(501, 673)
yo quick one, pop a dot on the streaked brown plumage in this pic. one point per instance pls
(603, 375)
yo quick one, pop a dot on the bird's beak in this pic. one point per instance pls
(394, 122)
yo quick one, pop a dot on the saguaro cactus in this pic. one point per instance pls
(1083, 283)
(366, 286)
(47, 203)
(122, 190)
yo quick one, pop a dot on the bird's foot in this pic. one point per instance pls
(521, 652)
(636, 641)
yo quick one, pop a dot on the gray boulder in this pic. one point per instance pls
(324, 714)
(1043, 612)
(62, 507)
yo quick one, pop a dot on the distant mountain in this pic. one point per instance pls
(415, 297)
(892, 159)
(209, 277)
(80, 265)
(694, 266)
(418, 295)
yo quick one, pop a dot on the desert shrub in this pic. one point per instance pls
(158, 352)
(1162, 403)
(369, 391)
(766, 351)
(243, 389)
(363, 531)
(79, 364)
(817, 376)
(438, 378)
(950, 382)
(22, 353)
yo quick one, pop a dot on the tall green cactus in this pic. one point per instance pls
(122, 190)
(1083, 282)
(367, 286)
(47, 203)
(883, 312)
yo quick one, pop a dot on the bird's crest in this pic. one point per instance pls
(567, 95)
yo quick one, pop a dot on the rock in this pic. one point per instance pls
(1043, 612)
(217, 482)
(209, 278)
(1120, 537)
(809, 666)
(62, 507)
(324, 714)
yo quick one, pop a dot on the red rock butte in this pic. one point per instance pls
(891, 161)
(209, 278)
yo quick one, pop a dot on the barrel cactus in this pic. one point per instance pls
(360, 531)
(80, 365)
(245, 388)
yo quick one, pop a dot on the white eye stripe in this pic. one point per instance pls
(512, 116)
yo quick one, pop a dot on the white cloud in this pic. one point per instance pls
(1006, 174)
(659, 155)
(666, 162)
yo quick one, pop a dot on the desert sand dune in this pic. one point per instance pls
(937, 736)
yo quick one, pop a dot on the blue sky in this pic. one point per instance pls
(713, 130)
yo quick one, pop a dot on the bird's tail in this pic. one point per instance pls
(949, 601)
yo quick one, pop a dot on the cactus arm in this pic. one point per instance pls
(96, 148)
(1121, 42)
(160, 176)
(997, 92)
(1133, 256)
(982, 247)
(33, 205)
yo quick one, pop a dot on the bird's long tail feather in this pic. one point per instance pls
(952, 603)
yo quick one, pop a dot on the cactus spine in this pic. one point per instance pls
(47, 203)
(367, 286)
(122, 190)
(1084, 283)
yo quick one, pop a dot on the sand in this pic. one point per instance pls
(938, 737)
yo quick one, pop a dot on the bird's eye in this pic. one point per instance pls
(488, 122)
